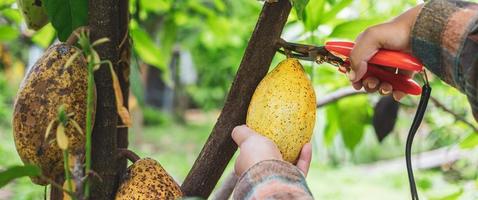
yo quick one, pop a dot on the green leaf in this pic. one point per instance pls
(312, 14)
(44, 36)
(67, 15)
(354, 115)
(299, 6)
(168, 36)
(147, 50)
(470, 141)
(13, 15)
(335, 10)
(18, 172)
(332, 127)
(351, 28)
(8, 33)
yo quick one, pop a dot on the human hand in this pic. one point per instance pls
(255, 148)
(393, 35)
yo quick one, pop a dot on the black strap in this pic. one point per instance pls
(422, 106)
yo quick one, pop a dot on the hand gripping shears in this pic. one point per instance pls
(337, 53)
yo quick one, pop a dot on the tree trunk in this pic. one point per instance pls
(107, 19)
(123, 76)
(219, 147)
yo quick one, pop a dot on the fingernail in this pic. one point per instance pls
(398, 96)
(385, 92)
(351, 74)
(342, 69)
(372, 84)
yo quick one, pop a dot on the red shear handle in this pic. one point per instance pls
(387, 58)
(399, 82)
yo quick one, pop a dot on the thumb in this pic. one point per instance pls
(304, 159)
(241, 133)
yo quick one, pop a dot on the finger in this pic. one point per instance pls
(385, 88)
(357, 72)
(398, 95)
(357, 85)
(366, 45)
(241, 133)
(304, 159)
(238, 167)
(371, 83)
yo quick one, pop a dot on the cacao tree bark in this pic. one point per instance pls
(219, 148)
(108, 18)
(123, 76)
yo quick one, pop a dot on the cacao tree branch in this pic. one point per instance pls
(458, 117)
(423, 160)
(219, 148)
(337, 95)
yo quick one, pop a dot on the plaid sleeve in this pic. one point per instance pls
(445, 38)
(272, 179)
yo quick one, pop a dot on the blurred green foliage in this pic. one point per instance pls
(216, 32)
(5, 101)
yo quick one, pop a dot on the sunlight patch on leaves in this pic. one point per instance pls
(351, 28)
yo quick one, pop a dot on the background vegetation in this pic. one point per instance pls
(349, 162)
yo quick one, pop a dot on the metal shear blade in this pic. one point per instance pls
(317, 54)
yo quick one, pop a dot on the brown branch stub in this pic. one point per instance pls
(219, 147)
(130, 155)
(73, 38)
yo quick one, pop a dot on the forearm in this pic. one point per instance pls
(445, 38)
(272, 179)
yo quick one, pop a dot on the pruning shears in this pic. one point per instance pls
(337, 53)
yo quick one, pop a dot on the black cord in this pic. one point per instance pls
(422, 106)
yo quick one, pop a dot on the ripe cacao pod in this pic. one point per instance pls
(147, 179)
(47, 86)
(283, 108)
